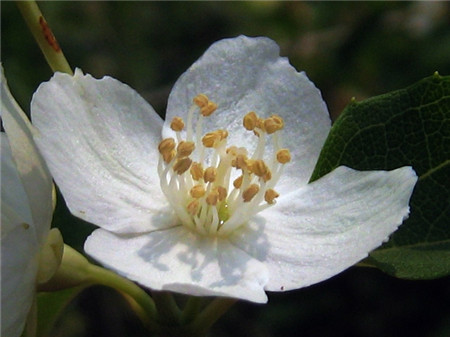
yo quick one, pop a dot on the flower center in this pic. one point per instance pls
(215, 189)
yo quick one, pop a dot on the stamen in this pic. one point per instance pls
(232, 151)
(222, 193)
(259, 168)
(201, 100)
(213, 139)
(210, 175)
(184, 149)
(212, 198)
(214, 221)
(249, 163)
(223, 134)
(197, 191)
(168, 156)
(283, 156)
(193, 206)
(250, 192)
(208, 109)
(223, 170)
(273, 123)
(210, 139)
(167, 149)
(199, 221)
(167, 144)
(182, 165)
(196, 171)
(206, 106)
(189, 129)
(201, 199)
(279, 120)
(259, 151)
(240, 162)
(270, 196)
(238, 182)
(260, 124)
(177, 124)
(250, 120)
(267, 176)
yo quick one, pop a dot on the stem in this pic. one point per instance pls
(98, 275)
(75, 271)
(191, 309)
(212, 313)
(44, 36)
(168, 310)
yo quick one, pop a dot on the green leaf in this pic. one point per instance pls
(408, 127)
(51, 305)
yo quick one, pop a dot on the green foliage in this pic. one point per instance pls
(408, 127)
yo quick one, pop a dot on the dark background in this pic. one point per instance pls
(348, 49)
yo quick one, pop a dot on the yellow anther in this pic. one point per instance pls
(232, 151)
(210, 175)
(273, 124)
(196, 171)
(283, 156)
(240, 162)
(193, 207)
(177, 124)
(250, 192)
(222, 192)
(165, 145)
(260, 125)
(238, 182)
(201, 100)
(250, 120)
(182, 165)
(167, 149)
(210, 139)
(249, 163)
(208, 109)
(168, 156)
(222, 134)
(270, 196)
(278, 119)
(185, 148)
(259, 168)
(197, 191)
(212, 198)
(267, 176)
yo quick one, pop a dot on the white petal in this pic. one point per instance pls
(34, 176)
(247, 74)
(329, 225)
(19, 264)
(15, 206)
(178, 260)
(100, 140)
(19, 247)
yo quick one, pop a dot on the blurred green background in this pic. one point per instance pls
(348, 49)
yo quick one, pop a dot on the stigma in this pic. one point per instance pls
(215, 188)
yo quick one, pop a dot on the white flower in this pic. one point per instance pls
(170, 223)
(30, 252)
